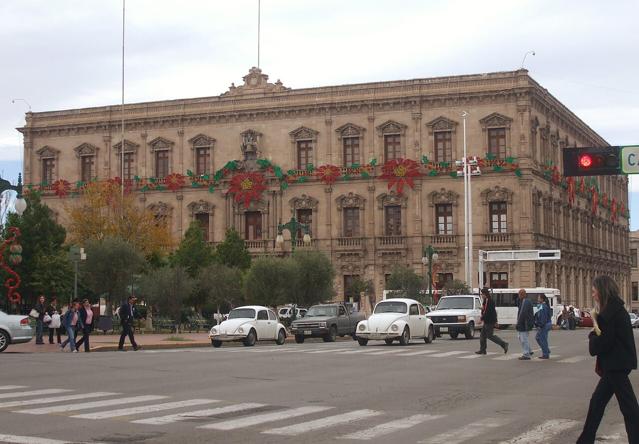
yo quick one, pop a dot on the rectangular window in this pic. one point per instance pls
(393, 220)
(304, 153)
(635, 291)
(351, 150)
(305, 216)
(348, 288)
(253, 225)
(633, 257)
(128, 166)
(48, 166)
(161, 164)
(497, 142)
(203, 220)
(497, 214)
(443, 146)
(499, 280)
(444, 214)
(86, 166)
(202, 161)
(392, 146)
(351, 222)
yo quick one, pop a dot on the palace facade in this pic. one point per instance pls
(369, 167)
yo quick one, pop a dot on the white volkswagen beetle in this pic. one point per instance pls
(249, 324)
(400, 319)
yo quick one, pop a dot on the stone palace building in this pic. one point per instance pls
(370, 167)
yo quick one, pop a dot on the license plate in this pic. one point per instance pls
(308, 332)
(443, 329)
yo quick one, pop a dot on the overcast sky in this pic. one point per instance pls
(60, 54)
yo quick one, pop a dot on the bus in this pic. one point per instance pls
(506, 303)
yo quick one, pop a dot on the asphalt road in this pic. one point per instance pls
(314, 392)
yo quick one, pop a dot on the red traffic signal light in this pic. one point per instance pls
(585, 161)
(594, 161)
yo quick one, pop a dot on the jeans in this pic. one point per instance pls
(542, 339)
(525, 345)
(487, 332)
(39, 329)
(71, 338)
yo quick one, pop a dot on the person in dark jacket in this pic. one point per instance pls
(41, 309)
(489, 317)
(72, 323)
(87, 318)
(543, 321)
(525, 322)
(616, 357)
(128, 314)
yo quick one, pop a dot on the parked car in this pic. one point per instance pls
(586, 319)
(326, 321)
(396, 319)
(286, 312)
(634, 320)
(14, 329)
(457, 314)
(248, 324)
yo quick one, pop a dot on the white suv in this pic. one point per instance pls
(457, 314)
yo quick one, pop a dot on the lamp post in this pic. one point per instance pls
(430, 256)
(293, 226)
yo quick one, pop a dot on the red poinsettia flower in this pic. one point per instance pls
(571, 190)
(61, 187)
(174, 181)
(400, 172)
(328, 174)
(247, 187)
(613, 210)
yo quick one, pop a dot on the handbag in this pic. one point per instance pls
(34, 313)
(46, 319)
(55, 321)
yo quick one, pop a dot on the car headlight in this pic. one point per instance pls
(461, 318)
(322, 324)
(214, 331)
(240, 330)
(394, 327)
(361, 327)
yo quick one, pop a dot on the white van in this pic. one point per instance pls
(506, 303)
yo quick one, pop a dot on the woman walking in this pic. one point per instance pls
(72, 322)
(38, 312)
(543, 321)
(86, 316)
(54, 325)
(614, 347)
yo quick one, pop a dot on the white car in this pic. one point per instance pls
(401, 319)
(14, 329)
(286, 312)
(457, 314)
(249, 324)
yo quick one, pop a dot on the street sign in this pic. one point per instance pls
(630, 159)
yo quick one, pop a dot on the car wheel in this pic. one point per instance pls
(281, 337)
(362, 341)
(470, 331)
(4, 340)
(299, 339)
(430, 337)
(216, 344)
(354, 336)
(454, 334)
(250, 339)
(404, 339)
(332, 334)
(388, 341)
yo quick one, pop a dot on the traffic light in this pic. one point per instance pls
(593, 161)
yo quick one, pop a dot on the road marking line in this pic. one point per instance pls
(29, 440)
(169, 419)
(386, 352)
(33, 393)
(249, 421)
(508, 357)
(5, 405)
(468, 432)
(13, 387)
(328, 351)
(363, 350)
(323, 423)
(425, 352)
(145, 409)
(450, 353)
(543, 432)
(390, 427)
(89, 405)
(475, 356)
(574, 359)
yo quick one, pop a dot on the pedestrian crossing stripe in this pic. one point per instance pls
(33, 393)
(543, 432)
(35, 401)
(467, 432)
(169, 419)
(322, 423)
(475, 355)
(574, 359)
(12, 387)
(145, 409)
(390, 427)
(89, 405)
(249, 421)
(446, 354)
(424, 352)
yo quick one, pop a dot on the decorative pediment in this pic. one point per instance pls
(443, 196)
(261, 206)
(47, 152)
(129, 147)
(391, 199)
(303, 202)
(201, 140)
(496, 194)
(255, 82)
(350, 130)
(496, 120)
(86, 149)
(201, 206)
(441, 123)
(350, 200)
(303, 133)
(160, 144)
(391, 127)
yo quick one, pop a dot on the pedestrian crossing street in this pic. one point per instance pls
(386, 351)
(273, 420)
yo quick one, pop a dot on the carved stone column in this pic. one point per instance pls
(417, 131)
(327, 155)
(372, 140)
(179, 168)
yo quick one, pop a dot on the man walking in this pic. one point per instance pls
(525, 323)
(489, 317)
(127, 316)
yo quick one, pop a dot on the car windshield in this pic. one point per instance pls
(455, 303)
(391, 307)
(283, 311)
(242, 313)
(320, 310)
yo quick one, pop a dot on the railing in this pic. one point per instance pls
(349, 241)
(391, 241)
(260, 244)
(444, 239)
(299, 243)
(497, 237)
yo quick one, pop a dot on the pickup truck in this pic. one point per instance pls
(457, 314)
(326, 321)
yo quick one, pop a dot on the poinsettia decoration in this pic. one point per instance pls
(175, 181)
(400, 172)
(328, 174)
(595, 200)
(571, 190)
(613, 210)
(61, 187)
(247, 187)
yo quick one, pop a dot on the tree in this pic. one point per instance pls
(193, 253)
(166, 289)
(359, 286)
(232, 252)
(314, 276)
(456, 287)
(102, 211)
(271, 281)
(219, 285)
(405, 281)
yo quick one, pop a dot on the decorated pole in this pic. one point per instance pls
(12, 283)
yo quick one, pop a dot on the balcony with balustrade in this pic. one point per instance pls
(443, 240)
(348, 243)
(498, 238)
(391, 242)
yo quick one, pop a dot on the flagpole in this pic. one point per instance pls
(259, 8)
(122, 106)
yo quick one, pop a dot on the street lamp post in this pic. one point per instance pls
(293, 226)
(430, 256)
